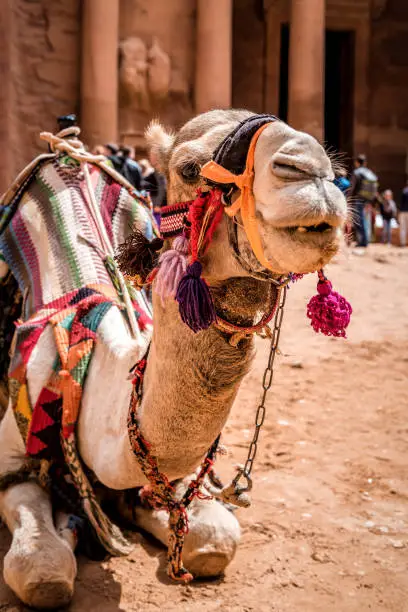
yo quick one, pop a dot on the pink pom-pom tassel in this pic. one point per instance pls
(172, 267)
(329, 311)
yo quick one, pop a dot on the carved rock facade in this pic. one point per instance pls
(41, 63)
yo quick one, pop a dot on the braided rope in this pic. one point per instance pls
(160, 493)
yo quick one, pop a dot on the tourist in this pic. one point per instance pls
(154, 182)
(111, 152)
(388, 210)
(403, 216)
(99, 150)
(364, 186)
(121, 160)
(341, 181)
(130, 169)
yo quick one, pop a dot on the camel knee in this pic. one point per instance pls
(41, 577)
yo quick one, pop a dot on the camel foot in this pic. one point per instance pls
(212, 539)
(41, 573)
(40, 566)
(207, 565)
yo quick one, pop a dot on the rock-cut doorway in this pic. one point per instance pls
(339, 88)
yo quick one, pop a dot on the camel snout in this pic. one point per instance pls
(301, 158)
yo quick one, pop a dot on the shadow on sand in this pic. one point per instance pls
(157, 550)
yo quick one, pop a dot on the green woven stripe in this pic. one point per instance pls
(64, 235)
(67, 322)
(81, 368)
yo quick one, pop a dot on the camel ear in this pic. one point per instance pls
(159, 143)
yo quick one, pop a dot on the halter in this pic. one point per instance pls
(174, 221)
(174, 216)
(194, 222)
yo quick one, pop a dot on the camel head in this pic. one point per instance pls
(300, 212)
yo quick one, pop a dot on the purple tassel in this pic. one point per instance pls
(329, 311)
(172, 267)
(195, 302)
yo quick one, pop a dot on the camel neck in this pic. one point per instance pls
(240, 300)
(192, 379)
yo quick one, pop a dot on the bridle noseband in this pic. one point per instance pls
(230, 170)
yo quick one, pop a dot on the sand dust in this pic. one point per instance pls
(328, 527)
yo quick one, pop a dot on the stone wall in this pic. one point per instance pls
(388, 79)
(40, 70)
(39, 73)
(163, 37)
(40, 48)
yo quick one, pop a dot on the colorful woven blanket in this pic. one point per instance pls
(52, 243)
(48, 428)
(50, 240)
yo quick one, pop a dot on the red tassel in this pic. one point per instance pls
(195, 217)
(214, 202)
(329, 311)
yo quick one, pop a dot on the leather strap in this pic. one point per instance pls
(246, 201)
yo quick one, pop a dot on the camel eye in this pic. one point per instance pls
(190, 172)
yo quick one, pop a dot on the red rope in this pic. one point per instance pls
(214, 202)
(195, 216)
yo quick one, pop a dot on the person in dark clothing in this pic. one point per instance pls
(388, 211)
(155, 184)
(112, 154)
(122, 162)
(111, 149)
(130, 169)
(403, 216)
(364, 187)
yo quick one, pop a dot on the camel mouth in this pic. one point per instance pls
(317, 228)
(312, 230)
(321, 235)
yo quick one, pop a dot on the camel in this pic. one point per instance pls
(191, 380)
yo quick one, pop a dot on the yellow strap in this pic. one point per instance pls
(246, 201)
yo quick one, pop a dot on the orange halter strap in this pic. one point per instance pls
(246, 201)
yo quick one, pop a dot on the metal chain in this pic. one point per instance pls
(245, 472)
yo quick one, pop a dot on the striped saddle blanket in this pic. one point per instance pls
(53, 246)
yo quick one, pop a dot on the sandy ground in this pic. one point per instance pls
(328, 526)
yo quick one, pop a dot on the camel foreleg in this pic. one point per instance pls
(212, 538)
(40, 566)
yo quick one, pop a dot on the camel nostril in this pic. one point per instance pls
(288, 169)
(283, 166)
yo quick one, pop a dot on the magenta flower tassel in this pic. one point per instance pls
(195, 302)
(172, 267)
(329, 311)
